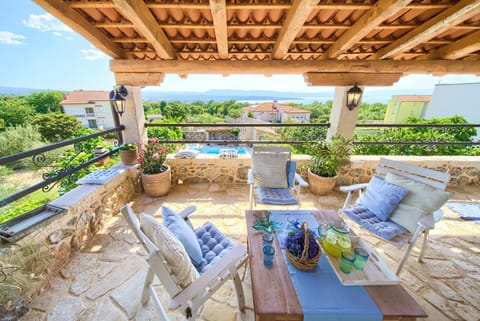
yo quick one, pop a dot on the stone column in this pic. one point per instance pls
(134, 117)
(342, 120)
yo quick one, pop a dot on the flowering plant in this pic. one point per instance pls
(152, 156)
(295, 242)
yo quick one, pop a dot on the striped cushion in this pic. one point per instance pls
(270, 170)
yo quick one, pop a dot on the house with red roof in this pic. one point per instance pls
(91, 107)
(275, 112)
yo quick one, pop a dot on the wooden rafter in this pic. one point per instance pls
(271, 67)
(219, 14)
(296, 17)
(457, 49)
(381, 11)
(460, 12)
(350, 78)
(145, 23)
(78, 23)
(139, 78)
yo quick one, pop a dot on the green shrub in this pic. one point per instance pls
(18, 139)
(57, 127)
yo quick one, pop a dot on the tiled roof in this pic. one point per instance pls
(85, 97)
(268, 107)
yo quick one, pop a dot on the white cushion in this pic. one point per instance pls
(171, 248)
(421, 200)
(270, 170)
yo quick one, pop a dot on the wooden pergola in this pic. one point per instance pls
(330, 42)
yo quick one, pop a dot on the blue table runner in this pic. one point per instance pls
(321, 295)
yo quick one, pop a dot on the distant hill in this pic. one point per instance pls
(13, 91)
(371, 95)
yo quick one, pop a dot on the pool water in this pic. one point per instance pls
(215, 150)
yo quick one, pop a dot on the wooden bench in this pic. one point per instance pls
(433, 178)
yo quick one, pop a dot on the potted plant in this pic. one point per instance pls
(155, 174)
(128, 153)
(327, 158)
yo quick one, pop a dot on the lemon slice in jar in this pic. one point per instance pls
(344, 243)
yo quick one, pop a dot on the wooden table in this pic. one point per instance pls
(274, 295)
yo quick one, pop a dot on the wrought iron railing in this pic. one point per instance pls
(38, 153)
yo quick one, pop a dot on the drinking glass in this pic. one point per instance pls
(267, 239)
(361, 256)
(268, 253)
(346, 262)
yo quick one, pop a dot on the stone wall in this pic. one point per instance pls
(87, 208)
(464, 170)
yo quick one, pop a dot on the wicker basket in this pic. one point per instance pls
(303, 262)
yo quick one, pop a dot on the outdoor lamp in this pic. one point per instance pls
(117, 98)
(353, 97)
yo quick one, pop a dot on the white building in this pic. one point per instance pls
(91, 107)
(456, 99)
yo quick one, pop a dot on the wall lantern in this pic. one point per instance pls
(117, 99)
(353, 97)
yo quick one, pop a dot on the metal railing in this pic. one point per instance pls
(38, 153)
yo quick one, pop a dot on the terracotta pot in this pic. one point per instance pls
(128, 157)
(157, 184)
(320, 185)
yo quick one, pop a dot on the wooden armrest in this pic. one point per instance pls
(204, 280)
(189, 210)
(300, 180)
(352, 188)
(250, 179)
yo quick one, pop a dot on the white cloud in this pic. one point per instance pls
(92, 54)
(11, 38)
(46, 23)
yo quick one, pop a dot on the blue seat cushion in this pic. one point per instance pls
(382, 197)
(276, 196)
(385, 229)
(291, 169)
(214, 245)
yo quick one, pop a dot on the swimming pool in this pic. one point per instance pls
(215, 150)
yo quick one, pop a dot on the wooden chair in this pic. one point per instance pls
(189, 299)
(435, 179)
(273, 179)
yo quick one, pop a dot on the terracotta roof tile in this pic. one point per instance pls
(85, 97)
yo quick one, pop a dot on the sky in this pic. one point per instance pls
(38, 51)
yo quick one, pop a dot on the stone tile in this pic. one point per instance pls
(469, 289)
(79, 264)
(82, 282)
(213, 311)
(121, 273)
(34, 315)
(102, 309)
(67, 309)
(129, 294)
(440, 303)
(223, 294)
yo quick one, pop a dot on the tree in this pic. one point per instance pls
(57, 127)
(46, 102)
(15, 111)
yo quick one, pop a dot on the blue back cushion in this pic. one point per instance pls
(381, 197)
(184, 233)
(291, 169)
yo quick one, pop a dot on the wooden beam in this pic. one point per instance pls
(77, 22)
(457, 49)
(350, 78)
(146, 24)
(454, 15)
(296, 17)
(219, 15)
(139, 78)
(381, 11)
(272, 67)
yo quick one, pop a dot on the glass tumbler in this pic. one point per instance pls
(267, 239)
(361, 256)
(346, 262)
(268, 253)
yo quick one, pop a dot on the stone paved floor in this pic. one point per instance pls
(104, 281)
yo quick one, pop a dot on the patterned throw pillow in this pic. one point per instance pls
(171, 248)
(270, 170)
(421, 200)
